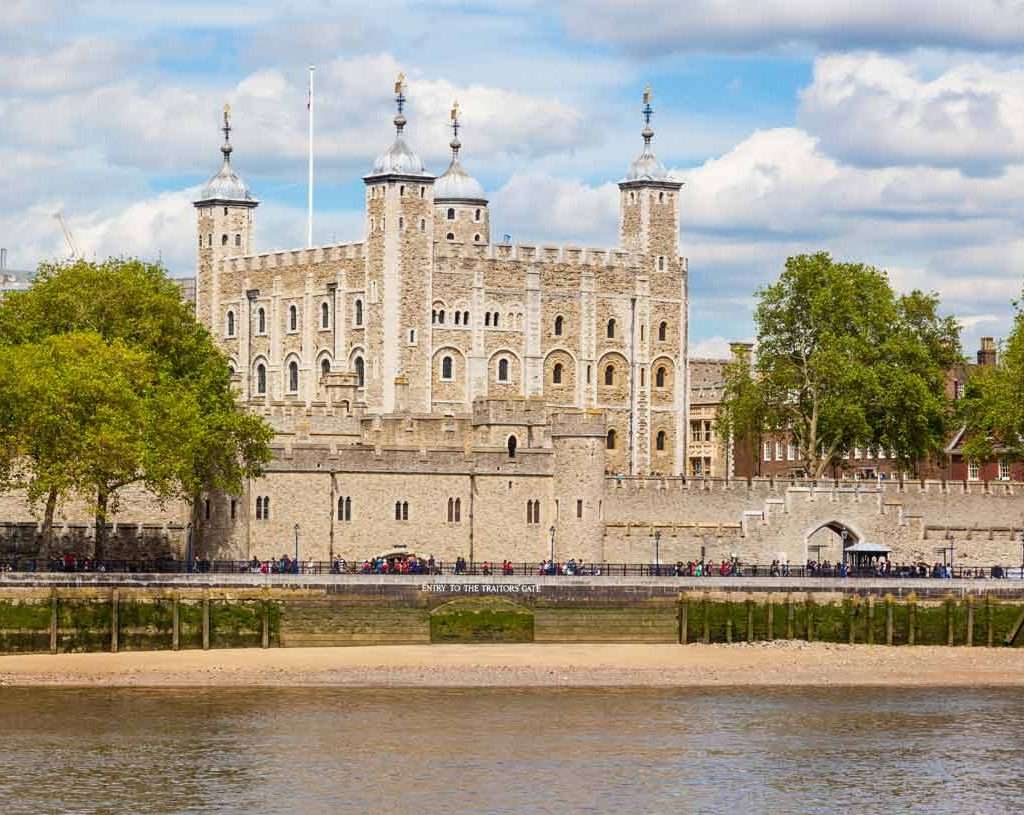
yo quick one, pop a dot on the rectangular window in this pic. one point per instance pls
(778, 451)
(579, 507)
(856, 452)
(767, 451)
(791, 452)
(707, 431)
(695, 434)
(1004, 469)
(972, 470)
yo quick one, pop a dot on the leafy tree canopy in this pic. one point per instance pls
(843, 361)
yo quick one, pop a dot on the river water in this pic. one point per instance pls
(300, 751)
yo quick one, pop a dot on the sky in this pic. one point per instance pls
(885, 133)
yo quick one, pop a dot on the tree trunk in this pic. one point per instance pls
(46, 545)
(102, 499)
(197, 525)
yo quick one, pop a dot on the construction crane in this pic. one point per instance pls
(68, 239)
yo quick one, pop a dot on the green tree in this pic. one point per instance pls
(185, 435)
(993, 405)
(842, 361)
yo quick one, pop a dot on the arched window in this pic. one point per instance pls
(476, 216)
(611, 329)
(446, 368)
(401, 190)
(398, 510)
(440, 316)
(495, 319)
(261, 321)
(238, 240)
(293, 318)
(261, 379)
(529, 511)
(359, 312)
(293, 377)
(487, 318)
(556, 374)
(558, 325)
(450, 236)
(609, 375)
(661, 198)
(325, 366)
(223, 240)
(465, 318)
(458, 510)
(660, 440)
(451, 213)
(458, 318)
(263, 508)
(231, 324)
(513, 442)
(503, 370)
(659, 378)
(345, 509)
(360, 372)
(476, 238)
(662, 331)
(405, 510)
(325, 315)
(661, 263)
(610, 442)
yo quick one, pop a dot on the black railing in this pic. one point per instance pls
(484, 569)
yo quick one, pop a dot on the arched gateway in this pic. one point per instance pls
(837, 541)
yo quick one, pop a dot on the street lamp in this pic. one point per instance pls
(552, 531)
(188, 550)
(296, 548)
(657, 558)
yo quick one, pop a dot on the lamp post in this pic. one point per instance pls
(296, 548)
(188, 550)
(552, 531)
(657, 558)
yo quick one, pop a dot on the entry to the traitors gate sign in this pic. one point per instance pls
(481, 588)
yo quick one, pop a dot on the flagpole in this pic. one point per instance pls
(309, 213)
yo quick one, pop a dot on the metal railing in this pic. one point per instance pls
(490, 568)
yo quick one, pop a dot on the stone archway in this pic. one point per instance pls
(481, 619)
(829, 541)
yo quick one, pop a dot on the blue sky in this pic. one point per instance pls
(887, 133)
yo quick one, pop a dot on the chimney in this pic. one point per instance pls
(741, 352)
(3, 260)
(987, 352)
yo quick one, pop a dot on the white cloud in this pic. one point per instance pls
(702, 25)
(716, 347)
(874, 110)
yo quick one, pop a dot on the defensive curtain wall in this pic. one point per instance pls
(96, 612)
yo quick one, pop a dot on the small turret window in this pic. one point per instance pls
(503, 370)
(261, 379)
(610, 441)
(661, 263)
(423, 192)
(360, 372)
(225, 210)
(660, 443)
(401, 223)
(662, 331)
(661, 198)
(293, 318)
(446, 368)
(450, 236)
(261, 321)
(325, 315)
(659, 378)
(325, 366)
(476, 238)
(230, 327)
(611, 329)
(465, 318)
(423, 224)
(556, 374)
(609, 375)
(451, 213)
(293, 377)
(401, 190)
(558, 325)
(223, 240)
(238, 240)
(359, 312)
(476, 216)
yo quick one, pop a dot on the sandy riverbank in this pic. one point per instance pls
(776, 664)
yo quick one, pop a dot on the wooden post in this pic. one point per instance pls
(950, 619)
(988, 620)
(851, 630)
(175, 623)
(970, 620)
(728, 629)
(750, 620)
(707, 623)
(770, 612)
(809, 606)
(911, 621)
(684, 620)
(114, 598)
(206, 623)
(53, 621)
(871, 620)
(265, 626)
(790, 618)
(889, 614)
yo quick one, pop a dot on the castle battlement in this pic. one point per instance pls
(579, 423)
(354, 250)
(839, 489)
(529, 253)
(509, 412)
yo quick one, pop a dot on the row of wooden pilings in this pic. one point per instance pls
(115, 599)
(809, 631)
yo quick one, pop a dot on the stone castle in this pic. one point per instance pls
(432, 389)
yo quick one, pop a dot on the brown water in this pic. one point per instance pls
(511, 751)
